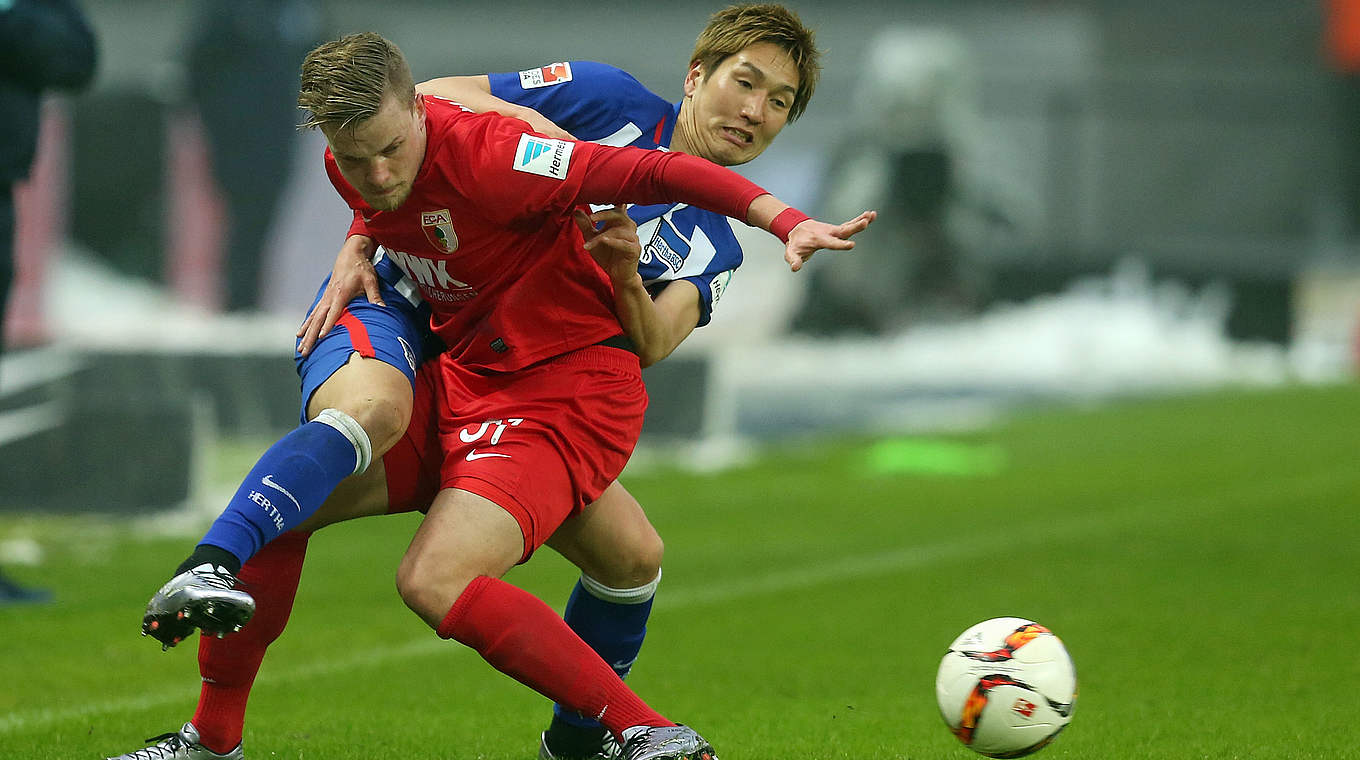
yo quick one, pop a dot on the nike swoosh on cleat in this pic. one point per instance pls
(473, 456)
(269, 481)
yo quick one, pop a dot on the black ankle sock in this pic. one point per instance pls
(571, 740)
(212, 555)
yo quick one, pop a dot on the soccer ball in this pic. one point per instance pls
(1006, 687)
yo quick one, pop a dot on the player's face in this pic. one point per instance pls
(736, 110)
(382, 155)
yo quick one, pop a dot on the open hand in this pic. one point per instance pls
(611, 237)
(811, 236)
(352, 275)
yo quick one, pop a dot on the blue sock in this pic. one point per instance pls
(613, 622)
(290, 482)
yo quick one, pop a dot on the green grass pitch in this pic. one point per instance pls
(1200, 557)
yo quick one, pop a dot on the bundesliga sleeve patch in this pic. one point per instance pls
(544, 157)
(545, 76)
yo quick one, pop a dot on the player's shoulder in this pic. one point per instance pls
(572, 75)
(440, 110)
(603, 80)
(478, 146)
(604, 73)
(621, 83)
(445, 118)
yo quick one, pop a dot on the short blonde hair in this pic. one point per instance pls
(735, 28)
(345, 81)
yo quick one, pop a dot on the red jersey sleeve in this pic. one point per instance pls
(358, 227)
(507, 173)
(518, 176)
(652, 176)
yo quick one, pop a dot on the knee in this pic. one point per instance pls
(417, 588)
(384, 419)
(430, 585)
(374, 394)
(408, 585)
(635, 565)
(647, 559)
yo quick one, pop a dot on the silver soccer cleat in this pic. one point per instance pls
(665, 743)
(203, 597)
(182, 745)
(609, 750)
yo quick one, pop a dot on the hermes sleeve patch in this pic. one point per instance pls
(544, 157)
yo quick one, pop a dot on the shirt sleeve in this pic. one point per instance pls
(582, 97)
(692, 245)
(710, 286)
(358, 226)
(519, 178)
(717, 273)
(653, 176)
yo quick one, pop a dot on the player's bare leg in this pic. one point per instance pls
(450, 578)
(374, 393)
(463, 536)
(612, 541)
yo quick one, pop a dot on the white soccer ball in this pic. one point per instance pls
(1006, 687)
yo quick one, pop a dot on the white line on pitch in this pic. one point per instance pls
(680, 598)
(1085, 526)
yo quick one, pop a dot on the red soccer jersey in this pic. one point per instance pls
(488, 236)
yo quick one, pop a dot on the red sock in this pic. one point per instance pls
(523, 638)
(228, 666)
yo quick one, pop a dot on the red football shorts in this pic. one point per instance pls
(412, 465)
(542, 442)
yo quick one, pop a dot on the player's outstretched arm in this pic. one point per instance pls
(645, 176)
(475, 93)
(352, 275)
(657, 326)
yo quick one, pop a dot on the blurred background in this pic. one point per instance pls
(1094, 365)
(1080, 200)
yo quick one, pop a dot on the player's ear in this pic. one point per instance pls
(418, 106)
(692, 77)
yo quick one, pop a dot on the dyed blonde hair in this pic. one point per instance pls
(733, 29)
(345, 81)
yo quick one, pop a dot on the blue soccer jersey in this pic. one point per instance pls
(596, 102)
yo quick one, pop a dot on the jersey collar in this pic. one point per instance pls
(665, 129)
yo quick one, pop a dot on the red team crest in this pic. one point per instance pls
(438, 228)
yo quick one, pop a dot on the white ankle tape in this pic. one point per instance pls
(621, 595)
(351, 429)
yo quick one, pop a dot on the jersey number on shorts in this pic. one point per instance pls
(472, 435)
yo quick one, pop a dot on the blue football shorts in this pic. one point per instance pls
(397, 334)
